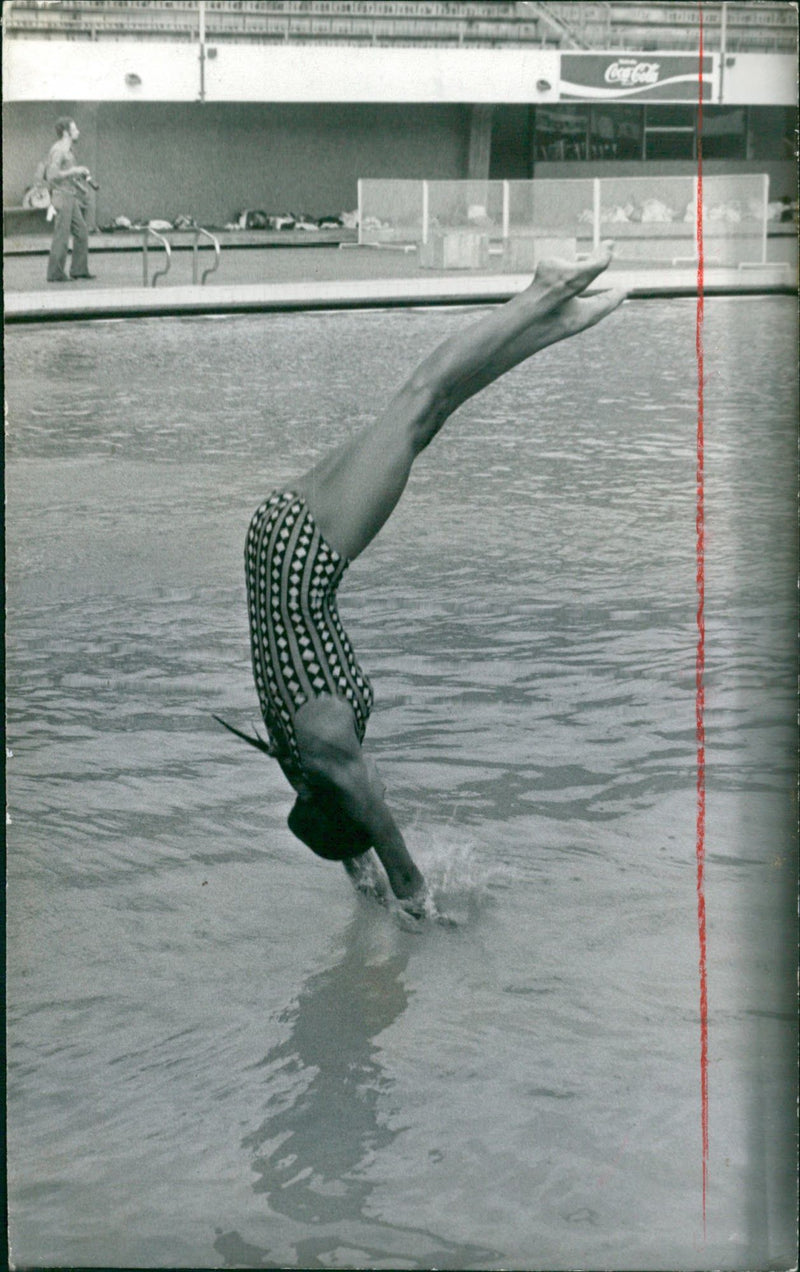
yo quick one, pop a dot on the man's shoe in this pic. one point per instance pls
(83, 276)
(63, 279)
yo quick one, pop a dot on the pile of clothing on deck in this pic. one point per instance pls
(249, 219)
(153, 223)
(257, 219)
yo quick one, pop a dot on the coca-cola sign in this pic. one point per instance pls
(606, 76)
(628, 72)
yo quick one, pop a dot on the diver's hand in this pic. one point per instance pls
(366, 879)
(421, 907)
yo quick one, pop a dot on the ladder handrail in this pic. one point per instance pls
(198, 230)
(147, 229)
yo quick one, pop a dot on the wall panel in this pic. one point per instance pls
(160, 159)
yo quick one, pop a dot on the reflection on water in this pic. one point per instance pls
(329, 1114)
(326, 1087)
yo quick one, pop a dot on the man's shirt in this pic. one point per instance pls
(58, 161)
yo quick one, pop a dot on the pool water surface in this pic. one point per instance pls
(218, 1055)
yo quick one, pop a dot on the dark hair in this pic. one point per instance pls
(324, 827)
(62, 124)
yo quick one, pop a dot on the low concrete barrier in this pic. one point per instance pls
(456, 249)
(524, 251)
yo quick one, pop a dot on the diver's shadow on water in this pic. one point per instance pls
(323, 1125)
(325, 1120)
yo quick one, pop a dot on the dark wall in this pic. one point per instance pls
(209, 161)
(159, 159)
(512, 143)
(28, 134)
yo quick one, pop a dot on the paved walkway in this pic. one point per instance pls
(316, 277)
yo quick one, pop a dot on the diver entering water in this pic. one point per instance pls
(315, 698)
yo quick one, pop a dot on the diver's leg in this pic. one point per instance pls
(352, 492)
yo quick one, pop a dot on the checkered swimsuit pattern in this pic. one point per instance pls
(300, 649)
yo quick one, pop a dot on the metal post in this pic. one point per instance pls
(723, 43)
(596, 210)
(424, 211)
(764, 216)
(144, 259)
(506, 210)
(201, 32)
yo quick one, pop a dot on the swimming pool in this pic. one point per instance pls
(219, 1056)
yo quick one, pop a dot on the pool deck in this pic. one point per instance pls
(320, 276)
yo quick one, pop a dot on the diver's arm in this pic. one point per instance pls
(332, 756)
(366, 876)
(348, 775)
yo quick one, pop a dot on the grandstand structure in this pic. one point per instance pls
(206, 108)
(738, 26)
(646, 28)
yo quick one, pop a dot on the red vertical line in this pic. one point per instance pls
(701, 641)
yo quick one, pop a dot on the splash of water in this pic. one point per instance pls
(461, 876)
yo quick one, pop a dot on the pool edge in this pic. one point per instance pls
(83, 303)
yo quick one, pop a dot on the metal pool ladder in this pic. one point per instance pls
(164, 242)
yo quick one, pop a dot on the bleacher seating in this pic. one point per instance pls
(757, 26)
(750, 25)
(436, 22)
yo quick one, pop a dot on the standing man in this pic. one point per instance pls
(68, 183)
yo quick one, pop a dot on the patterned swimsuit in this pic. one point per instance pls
(300, 649)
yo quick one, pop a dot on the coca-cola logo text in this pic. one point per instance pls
(630, 73)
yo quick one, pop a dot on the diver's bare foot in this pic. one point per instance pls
(555, 281)
(562, 318)
(582, 312)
